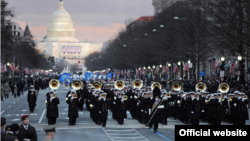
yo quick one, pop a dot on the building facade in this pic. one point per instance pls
(60, 42)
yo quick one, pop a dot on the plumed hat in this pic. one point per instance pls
(156, 92)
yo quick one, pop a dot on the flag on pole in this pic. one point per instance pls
(175, 68)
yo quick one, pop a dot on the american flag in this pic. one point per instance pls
(157, 69)
(121, 72)
(17, 68)
(12, 66)
(152, 71)
(217, 64)
(165, 69)
(128, 73)
(2, 68)
(232, 67)
(140, 71)
(175, 68)
(185, 66)
(213, 64)
(136, 72)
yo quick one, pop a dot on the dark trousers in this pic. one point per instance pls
(242, 122)
(120, 120)
(6, 96)
(72, 120)
(80, 106)
(1, 98)
(51, 120)
(32, 109)
(18, 92)
(155, 125)
(104, 121)
(14, 95)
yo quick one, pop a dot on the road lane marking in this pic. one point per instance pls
(8, 115)
(9, 106)
(161, 135)
(14, 103)
(14, 119)
(23, 110)
(42, 116)
(2, 111)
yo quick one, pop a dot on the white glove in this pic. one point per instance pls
(51, 99)
(100, 112)
(149, 111)
(202, 110)
(192, 112)
(141, 110)
(145, 111)
(72, 97)
(226, 109)
(69, 95)
(130, 97)
(235, 104)
(122, 100)
(160, 107)
(113, 102)
(99, 98)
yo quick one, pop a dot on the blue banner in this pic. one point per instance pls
(97, 74)
(114, 75)
(65, 76)
(88, 76)
(202, 73)
(109, 75)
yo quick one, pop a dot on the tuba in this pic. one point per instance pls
(97, 85)
(223, 88)
(156, 84)
(54, 84)
(76, 84)
(137, 83)
(119, 84)
(176, 85)
(201, 86)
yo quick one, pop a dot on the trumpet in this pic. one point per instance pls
(91, 106)
(230, 100)
(135, 97)
(54, 95)
(125, 97)
(245, 97)
(223, 98)
(75, 96)
(206, 101)
(169, 95)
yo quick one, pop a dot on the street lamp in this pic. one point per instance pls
(146, 34)
(179, 63)
(161, 26)
(135, 39)
(222, 58)
(169, 64)
(8, 64)
(144, 67)
(153, 66)
(124, 45)
(176, 18)
(239, 58)
(160, 66)
(154, 30)
(189, 62)
(148, 67)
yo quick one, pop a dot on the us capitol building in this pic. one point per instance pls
(60, 43)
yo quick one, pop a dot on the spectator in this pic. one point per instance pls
(26, 127)
(3, 123)
(7, 129)
(6, 90)
(2, 91)
(50, 133)
(13, 133)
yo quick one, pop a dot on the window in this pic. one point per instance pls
(78, 52)
(71, 52)
(74, 52)
(71, 56)
(37, 50)
(74, 56)
(41, 51)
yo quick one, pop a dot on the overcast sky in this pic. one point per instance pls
(97, 20)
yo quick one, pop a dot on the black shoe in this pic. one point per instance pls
(155, 131)
(69, 124)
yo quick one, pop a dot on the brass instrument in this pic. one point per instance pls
(176, 85)
(54, 95)
(230, 100)
(54, 84)
(168, 95)
(156, 84)
(75, 96)
(76, 84)
(119, 84)
(135, 97)
(91, 106)
(201, 86)
(223, 87)
(222, 98)
(97, 85)
(114, 97)
(245, 97)
(125, 97)
(137, 83)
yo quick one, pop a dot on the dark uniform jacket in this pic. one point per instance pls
(73, 107)
(198, 106)
(32, 99)
(121, 108)
(52, 107)
(37, 85)
(104, 108)
(22, 132)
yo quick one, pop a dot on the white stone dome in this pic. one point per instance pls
(61, 26)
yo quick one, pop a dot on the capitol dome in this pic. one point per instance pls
(61, 26)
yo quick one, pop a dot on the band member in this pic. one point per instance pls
(32, 97)
(121, 108)
(243, 111)
(198, 108)
(72, 100)
(165, 112)
(43, 84)
(52, 108)
(88, 96)
(154, 112)
(104, 104)
(80, 94)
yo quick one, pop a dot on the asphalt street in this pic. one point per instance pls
(85, 129)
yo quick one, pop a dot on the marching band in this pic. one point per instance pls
(149, 105)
